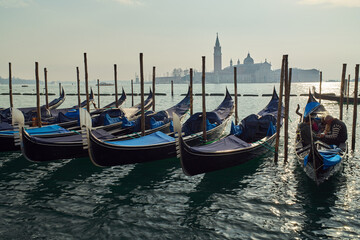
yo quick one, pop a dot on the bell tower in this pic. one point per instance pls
(217, 55)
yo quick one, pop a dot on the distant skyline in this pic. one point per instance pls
(320, 34)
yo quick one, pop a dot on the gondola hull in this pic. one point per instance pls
(72, 147)
(8, 143)
(320, 175)
(333, 97)
(315, 166)
(106, 154)
(42, 152)
(197, 163)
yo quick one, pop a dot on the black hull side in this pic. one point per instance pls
(106, 155)
(197, 163)
(7, 143)
(39, 152)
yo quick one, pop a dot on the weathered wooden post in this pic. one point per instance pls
(142, 96)
(38, 110)
(78, 86)
(235, 91)
(287, 107)
(191, 93)
(355, 107)
(203, 99)
(46, 89)
(342, 91)
(116, 87)
(153, 85)
(10, 87)
(86, 84)
(132, 92)
(320, 86)
(348, 93)
(98, 90)
(279, 115)
(59, 88)
(172, 88)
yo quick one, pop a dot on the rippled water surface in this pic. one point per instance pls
(73, 199)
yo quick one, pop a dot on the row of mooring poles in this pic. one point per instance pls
(355, 107)
(153, 86)
(348, 93)
(86, 83)
(343, 75)
(98, 90)
(191, 92)
(38, 119)
(10, 87)
(132, 92)
(279, 110)
(320, 87)
(203, 99)
(285, 79)
(142, 95)
(116, 87)
(46, 89)
(235, 92)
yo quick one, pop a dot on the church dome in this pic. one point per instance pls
(248, 60)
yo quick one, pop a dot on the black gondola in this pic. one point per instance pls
(253, 137)
(121, 100)
(319, 160)
(7, 136)
(30, 112)
(44, 148)
(159, 145)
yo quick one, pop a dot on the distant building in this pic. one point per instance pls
(247, 72)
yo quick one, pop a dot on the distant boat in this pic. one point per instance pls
(105, 84)
(333, 97)
(24, 85)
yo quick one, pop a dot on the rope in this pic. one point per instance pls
(266, 145)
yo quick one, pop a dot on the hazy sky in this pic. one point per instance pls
(321, 34)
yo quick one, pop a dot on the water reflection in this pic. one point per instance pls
(317, 202)
(227, 181)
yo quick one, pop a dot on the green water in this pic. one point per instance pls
(73, 199)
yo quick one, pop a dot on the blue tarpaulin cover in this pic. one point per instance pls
(310, 107)
(330, 157)
(43, 130)
(154, 138)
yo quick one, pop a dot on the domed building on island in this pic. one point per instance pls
(247, 72)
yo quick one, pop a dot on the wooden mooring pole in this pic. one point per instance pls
(46, 89)
(287, 107)
(86, 84)
(132, 92)
(191, 93)
(60, 89)
(98, 90)
(78, 86)
(348, 93)
(38, 110)
(10, 87)
(320, 86)
(142, 95)
(279, 114)
(236, 100)
(355, 107)
(153, 85)
(342, 91)
(172, 88)
(203, 99)
(116, 87)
